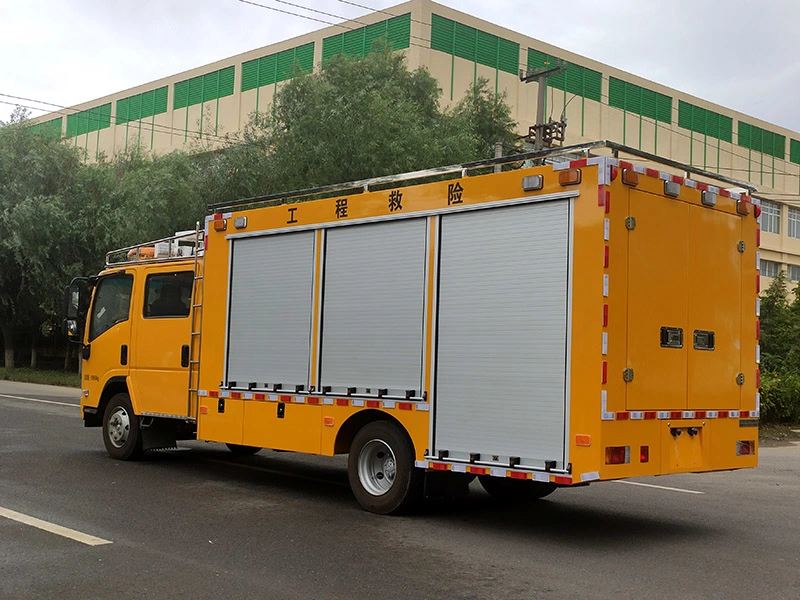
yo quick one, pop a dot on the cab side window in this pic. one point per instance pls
(168, 294)
(112, 300)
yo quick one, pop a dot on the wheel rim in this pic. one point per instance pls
(377, 467)
(119, 426)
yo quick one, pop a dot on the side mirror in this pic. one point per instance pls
(72, 302)
(70, 328)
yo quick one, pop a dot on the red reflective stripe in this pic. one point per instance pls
(285, 398)
(373, 404)
(236, 395)
(700, 414)
(626, 165)
(605, 257)
(676, 179)
(477, 470)
(604, 377)
(614, 172)
(758, 330)
(213, 393)
(723, 414)
(260, 396)
(575, 164)
(341, 402)
(744, 413)
(517, 475)
(563, 480)
(405, 405)
(605, 315)
(758, 237)
(703, 187)
(652, 173)
(623, 416)
(439, 466)
(758, 283)
(650, 414)
(313, 400)
(725, 193)
(608, 202)
(675, 414)
(758, 378)
(217, 216)
(601, 195)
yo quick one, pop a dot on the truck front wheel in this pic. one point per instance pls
(121, 433)
(381, 469)
(511, 491)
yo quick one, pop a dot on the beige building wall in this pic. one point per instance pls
(206, 124)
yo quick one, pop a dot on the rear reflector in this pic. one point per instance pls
(618, 455)
(569, 177)
(583, 440)
(745, 448)
(644, 454)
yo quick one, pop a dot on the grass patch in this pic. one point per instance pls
(770, 434)
(26, 375)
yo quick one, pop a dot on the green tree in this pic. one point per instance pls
(780, 353)
(35, 171)
(367, 118)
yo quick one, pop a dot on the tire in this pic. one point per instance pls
(381, 469)
(240, 450)
(515, 491)
(121, 432)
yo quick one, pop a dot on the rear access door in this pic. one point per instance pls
(502, 363)
(684, 305)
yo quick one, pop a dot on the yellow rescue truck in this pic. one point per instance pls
(589, 314)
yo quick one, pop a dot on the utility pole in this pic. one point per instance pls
(544, 132)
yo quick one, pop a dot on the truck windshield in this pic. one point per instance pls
(112, 302)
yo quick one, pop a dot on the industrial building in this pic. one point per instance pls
(599, 102)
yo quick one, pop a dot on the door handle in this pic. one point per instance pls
(123, 354)
(185, 355)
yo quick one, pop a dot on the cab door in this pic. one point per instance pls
(107, 348)
(160, 358)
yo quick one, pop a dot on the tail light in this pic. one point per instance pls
(618, 455)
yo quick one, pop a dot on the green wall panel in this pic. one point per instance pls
(274, 68)
(88, 121)
(474, 45)
(794, 151)
(51, 128)
(357, 43)
(639, 100)
(707, 122)
(141, 106)
(203, 88)
(761, 140)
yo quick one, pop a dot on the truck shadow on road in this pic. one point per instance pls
(570, 517)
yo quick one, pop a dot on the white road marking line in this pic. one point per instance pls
(658, 487)
(83, 538)
(39, 400)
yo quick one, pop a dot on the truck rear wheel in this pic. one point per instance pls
(121, 433)
(515, 490)
(381, 469)
(240, 450)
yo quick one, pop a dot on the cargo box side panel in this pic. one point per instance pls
(501, 383)
(270, 310)
(372, 319)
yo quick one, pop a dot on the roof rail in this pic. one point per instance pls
(182, 245)
(548, 155)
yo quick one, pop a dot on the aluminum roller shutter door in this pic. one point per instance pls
(270, 310)
(502, 338)
(373, 306)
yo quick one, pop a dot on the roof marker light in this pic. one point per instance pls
(240, 222)
(630, 177)
(708, 198)
(531, 183)
(569, 177)
(672, 189)
(220, 224)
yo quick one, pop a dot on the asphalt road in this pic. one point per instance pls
(198, 523)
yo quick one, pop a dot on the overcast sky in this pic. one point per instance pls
(738, 53)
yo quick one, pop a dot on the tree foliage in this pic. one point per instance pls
(780, 353)
(351, 120)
